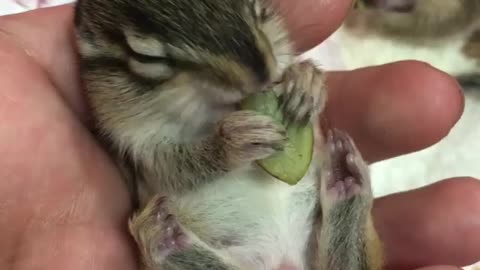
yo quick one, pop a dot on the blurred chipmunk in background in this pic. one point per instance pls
(444, 34)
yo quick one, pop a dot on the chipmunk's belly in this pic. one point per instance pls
(260, 221)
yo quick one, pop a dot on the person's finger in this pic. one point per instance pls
(62, 201)
(393, 109)
(434, 225)
(312, 21)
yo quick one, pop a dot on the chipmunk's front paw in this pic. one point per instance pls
(302, 92)
(248, 136)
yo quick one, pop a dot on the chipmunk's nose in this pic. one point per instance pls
(392, 5)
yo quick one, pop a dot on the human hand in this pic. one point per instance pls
(64, 206)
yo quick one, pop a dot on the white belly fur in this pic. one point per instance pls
(268, 221)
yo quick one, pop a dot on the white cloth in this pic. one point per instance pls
(17, 6)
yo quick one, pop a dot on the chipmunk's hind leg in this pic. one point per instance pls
(346, 239)
(166, 245)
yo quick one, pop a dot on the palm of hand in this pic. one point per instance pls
(62, 204)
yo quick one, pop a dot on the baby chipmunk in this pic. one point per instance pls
(164, 79)
(445, 34)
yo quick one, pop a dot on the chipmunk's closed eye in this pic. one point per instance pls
(148, 57)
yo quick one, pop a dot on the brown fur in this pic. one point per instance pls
(178, 133)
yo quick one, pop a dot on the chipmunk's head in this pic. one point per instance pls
(237, 46)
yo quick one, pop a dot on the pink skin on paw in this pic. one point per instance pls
(173, 237)
(344, 178)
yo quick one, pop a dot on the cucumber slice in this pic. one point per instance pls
(292, 163)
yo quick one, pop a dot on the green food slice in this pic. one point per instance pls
(291, 164)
